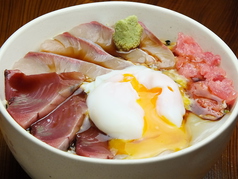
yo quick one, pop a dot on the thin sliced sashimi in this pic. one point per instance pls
(68, 45)
(59, 127)
(138, 56)
(97, 33)
(93, 143)
(31, 97)
(102, 35)
(42, 62)
(154, 47)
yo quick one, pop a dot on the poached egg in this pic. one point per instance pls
(140, 109)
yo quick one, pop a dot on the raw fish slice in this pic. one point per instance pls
(59, 128)
(93, 143)
(30, 97)
(68, 45)
(97, 33)
(153, 46)
(138, 56)
(42, 62)
(102, 35)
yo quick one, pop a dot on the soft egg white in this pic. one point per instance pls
(113, 107)
(113, 110)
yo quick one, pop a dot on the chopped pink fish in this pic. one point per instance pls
(59, 127)
(186, 46)
(31, 97)
(205, 104)
(93, 143)
(68, 45)
(208, 86)
(42, 62)
(197, 65)
(154, 47)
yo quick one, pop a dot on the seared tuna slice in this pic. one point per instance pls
(93, 143)
(59, 127)
(30, 97)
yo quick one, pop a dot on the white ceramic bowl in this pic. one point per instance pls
(43, 161)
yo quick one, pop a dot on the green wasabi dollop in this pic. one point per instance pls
(127, 33)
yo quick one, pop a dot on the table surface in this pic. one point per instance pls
(221, 16)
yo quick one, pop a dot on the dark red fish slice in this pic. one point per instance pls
(30, 97)
(59, 128)
(93, 143)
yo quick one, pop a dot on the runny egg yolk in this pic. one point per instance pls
(159, 134)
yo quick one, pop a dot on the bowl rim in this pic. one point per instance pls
(16, 126)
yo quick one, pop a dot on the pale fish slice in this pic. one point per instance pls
(42, 62)
(68, 45)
